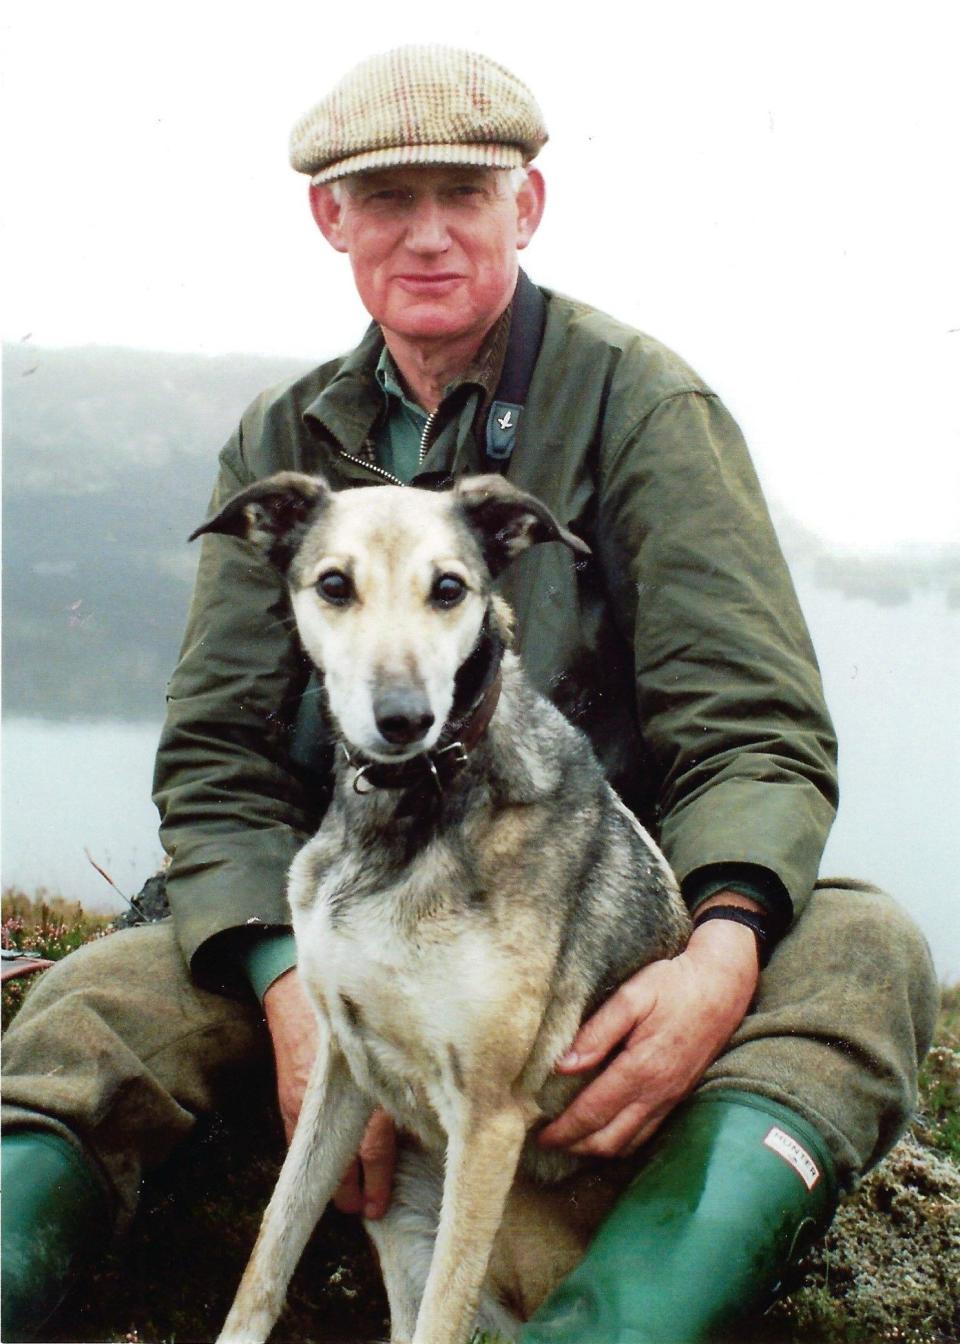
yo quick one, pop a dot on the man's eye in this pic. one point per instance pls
(335, 586)
(448, 590)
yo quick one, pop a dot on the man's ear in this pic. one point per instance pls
(531, 199)
(326, 212)
(273, 514)
(507, 521)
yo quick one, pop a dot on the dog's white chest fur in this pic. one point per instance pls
(404, 993)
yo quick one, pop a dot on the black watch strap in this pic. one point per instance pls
(750, 919)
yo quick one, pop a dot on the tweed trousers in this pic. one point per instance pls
(117, 1050)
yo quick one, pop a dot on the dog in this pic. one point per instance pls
(475, 890)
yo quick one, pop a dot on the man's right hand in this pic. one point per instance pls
(368, 1184)
(293, 1030)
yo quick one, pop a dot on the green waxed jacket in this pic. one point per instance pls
(679, 648)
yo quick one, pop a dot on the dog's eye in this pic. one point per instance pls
(448, 590)
(335, 586)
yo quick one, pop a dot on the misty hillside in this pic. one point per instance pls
(109, 458)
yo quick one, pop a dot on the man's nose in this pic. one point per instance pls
(427, 228)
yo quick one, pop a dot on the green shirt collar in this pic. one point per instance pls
(356, 404)
(482, 372)
(397, 435)
(388, 376)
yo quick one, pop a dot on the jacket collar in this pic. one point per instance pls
(348, 406)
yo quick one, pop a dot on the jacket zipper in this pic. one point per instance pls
(371, 466)
(425, 436)
(379, 471)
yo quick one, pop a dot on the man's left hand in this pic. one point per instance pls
(670, 1020)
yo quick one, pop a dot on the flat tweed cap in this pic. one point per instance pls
(419, 105)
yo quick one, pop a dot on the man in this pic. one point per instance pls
(679, 649)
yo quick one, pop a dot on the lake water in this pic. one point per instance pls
(891, 676)
(71, 787)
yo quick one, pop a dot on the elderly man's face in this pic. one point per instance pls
(433, 250)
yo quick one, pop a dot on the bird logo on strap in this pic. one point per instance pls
(502, 425)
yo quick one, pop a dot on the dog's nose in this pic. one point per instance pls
(403, 716)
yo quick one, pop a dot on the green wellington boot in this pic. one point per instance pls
(55, 1214)
(735, 1188)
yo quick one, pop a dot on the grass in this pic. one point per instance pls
(887, 1270)
(940, 1082)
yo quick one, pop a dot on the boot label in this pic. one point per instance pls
(803, 1164)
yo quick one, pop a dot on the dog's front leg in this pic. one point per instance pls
(327, 1136)
(482, 1157)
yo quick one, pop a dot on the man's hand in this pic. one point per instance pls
(293, 1030)
(670, 1020)
(368, 1184)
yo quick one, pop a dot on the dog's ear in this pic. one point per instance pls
(507, 521)
(273, 514)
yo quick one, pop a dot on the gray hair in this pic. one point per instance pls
(515, 178)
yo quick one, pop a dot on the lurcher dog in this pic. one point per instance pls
(474, 891)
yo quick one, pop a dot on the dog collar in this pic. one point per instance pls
(461, 733)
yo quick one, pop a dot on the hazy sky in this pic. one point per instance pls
(771, 188)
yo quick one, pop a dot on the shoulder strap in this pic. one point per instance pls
(527, 322)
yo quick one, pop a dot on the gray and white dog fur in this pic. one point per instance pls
(452, 940)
